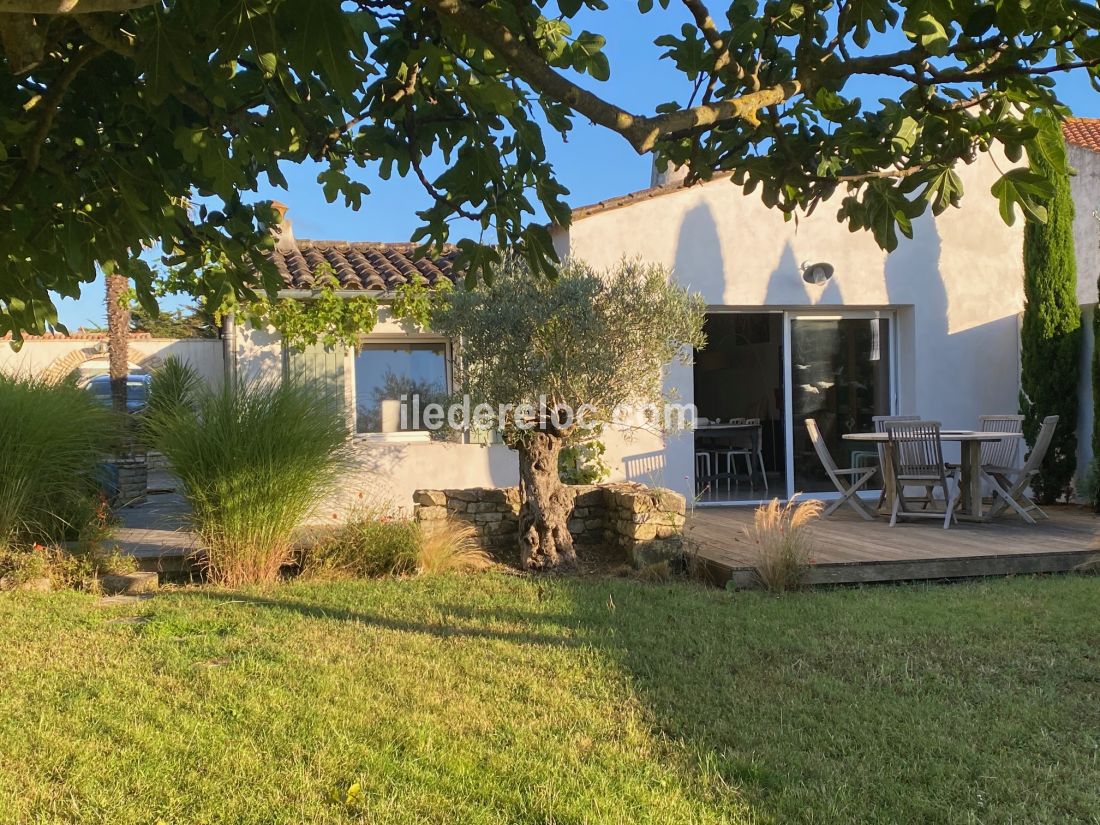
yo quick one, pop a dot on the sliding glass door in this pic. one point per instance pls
(841, 375)
(763, 374)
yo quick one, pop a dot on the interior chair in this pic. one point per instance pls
(753, 453)
(703, 475)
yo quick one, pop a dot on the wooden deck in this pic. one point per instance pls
(848, 550)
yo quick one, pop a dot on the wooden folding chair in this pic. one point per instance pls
(1001, 453)
(880, 422)
(1010, 483)
(916, 452)
(856, 477)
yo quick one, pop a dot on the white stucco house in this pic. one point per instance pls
(930, 329)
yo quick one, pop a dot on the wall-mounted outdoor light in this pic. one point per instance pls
(816, 273)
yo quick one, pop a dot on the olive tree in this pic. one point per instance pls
(555, 358)
(130, 124)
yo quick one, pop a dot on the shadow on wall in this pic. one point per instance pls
(645, 468)
(957, 375)
(785, 284)
(699, 263)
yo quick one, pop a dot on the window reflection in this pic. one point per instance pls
(386, 372)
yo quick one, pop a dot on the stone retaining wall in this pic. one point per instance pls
(646, 523)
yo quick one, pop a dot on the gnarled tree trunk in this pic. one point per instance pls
(545, 505)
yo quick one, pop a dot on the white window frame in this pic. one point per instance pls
(792, 313)
(351, 391)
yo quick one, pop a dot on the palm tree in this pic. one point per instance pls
(118, 337)
(133, 469)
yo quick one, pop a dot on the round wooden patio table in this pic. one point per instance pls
(971, 484)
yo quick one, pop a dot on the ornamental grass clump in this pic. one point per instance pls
(784, 544)
(374, 540)
(378, 540)
(254, 460)
(449, 547)
(52, 438)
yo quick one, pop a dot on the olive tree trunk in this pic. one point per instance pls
(544, 506)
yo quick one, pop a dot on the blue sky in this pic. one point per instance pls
(594, 164)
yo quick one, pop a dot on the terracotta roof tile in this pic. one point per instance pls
(79, 334)
(1083, 132)
(627, 199)
(360, 265)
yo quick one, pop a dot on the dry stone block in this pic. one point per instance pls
(431, 513)
(129, 584)
(640, 532)
(671, 502)
(463, 495)
(654, 552)
(430, 498)
(482, 507)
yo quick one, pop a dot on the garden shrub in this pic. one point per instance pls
(174, 386)
(254, 461)
(379, 541)
(449, 547)
(373, 541)
(583, 463)
(1050, 340)
(51, 442)
(78, 568)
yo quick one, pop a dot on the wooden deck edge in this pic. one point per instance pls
(900, 570)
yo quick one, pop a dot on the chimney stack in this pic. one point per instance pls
(284, 231)
(668, 176)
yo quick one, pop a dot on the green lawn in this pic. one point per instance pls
(500, 698)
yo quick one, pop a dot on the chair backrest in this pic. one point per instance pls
(821, 448)
(917, 448)
(1039, 451)
(880, 422)
(1001, 453)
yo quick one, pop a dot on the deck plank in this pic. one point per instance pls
(850, 550)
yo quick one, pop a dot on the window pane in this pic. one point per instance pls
(385, 372)
(842, 380)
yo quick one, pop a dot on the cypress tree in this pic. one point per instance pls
(1050, 339)
(1094, 465)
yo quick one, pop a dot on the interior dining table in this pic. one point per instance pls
(730, 429)
(971, 483)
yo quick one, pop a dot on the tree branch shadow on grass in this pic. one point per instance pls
(593, 626)
(443, 631)
(842, 707)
